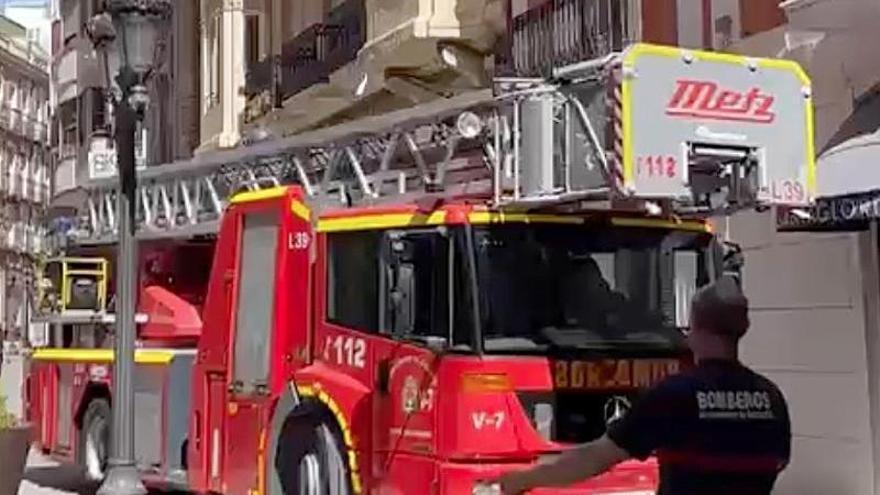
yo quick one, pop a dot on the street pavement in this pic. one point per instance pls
(45, 477)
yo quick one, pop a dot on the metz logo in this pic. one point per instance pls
(706, 100)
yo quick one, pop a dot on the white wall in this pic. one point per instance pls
(808, 336)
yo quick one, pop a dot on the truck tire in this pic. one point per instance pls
(94, 440)
(311, 459)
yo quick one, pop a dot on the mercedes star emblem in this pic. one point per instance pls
(616, 408)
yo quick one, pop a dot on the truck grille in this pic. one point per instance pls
(574, 417)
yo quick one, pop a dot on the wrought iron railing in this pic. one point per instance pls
(302, 64)
(311, 56)
(260, 77)
(563, 32)
(5, 116)
(345, 34)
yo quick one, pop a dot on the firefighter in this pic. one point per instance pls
(719, 428)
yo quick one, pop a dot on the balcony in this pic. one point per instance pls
(564, 32)
(5, 116)
(311, 56)
(28, 126)
(65, 174)
(40, 132)
(303, 61)
(260, 77)
(14, 121)
(368, 55)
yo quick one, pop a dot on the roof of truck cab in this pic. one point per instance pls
(410, 215)
(453, 213)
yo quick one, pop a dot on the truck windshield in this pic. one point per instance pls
(544, 286)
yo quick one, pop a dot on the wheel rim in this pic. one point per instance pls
(96, 448)
(310, 474)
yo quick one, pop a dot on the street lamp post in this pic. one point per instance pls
(134, 26)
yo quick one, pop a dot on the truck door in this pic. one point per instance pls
(414, 312)
(252, 323)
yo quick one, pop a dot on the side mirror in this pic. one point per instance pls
(732, 259)
(402, 299)
(685, 285)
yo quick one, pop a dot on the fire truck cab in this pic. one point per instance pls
(423, 299)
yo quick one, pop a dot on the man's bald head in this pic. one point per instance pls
(721, 308)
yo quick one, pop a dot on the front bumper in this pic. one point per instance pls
(629, 478)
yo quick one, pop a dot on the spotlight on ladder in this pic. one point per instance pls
(469, 125)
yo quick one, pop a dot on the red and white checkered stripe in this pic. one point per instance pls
(615, 102)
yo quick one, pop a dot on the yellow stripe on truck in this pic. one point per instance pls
(259, 195)
(141, 356)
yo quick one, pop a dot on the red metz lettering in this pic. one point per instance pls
(705, 100)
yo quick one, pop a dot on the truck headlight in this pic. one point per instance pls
(486, 489)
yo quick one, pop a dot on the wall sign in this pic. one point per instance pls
(849, 212)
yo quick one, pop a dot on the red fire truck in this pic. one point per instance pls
(411, 302)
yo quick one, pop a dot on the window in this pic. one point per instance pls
(251, 41)
(585, 287)
(22, 95)
(353, 281)
(210, 61)
(32, 100)
(215, 61)
(256, 303)
(758, 16)
(417, 285)
(660, 22)
(56, 36)
(10, 92)
(96, 106)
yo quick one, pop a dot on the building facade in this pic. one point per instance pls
(814, 295)
(35, 16)
(25, 186)
(83, 145)
(277, 67)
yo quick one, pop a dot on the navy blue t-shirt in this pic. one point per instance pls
(716, 429)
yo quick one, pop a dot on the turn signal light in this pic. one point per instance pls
(485, 383)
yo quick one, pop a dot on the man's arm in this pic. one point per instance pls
(656, 417)
(574, 465)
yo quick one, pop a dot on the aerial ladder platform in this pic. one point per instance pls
(652, 130)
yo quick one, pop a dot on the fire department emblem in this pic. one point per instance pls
(410, 395)
(615, 409)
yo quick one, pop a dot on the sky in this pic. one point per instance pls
(24, 3)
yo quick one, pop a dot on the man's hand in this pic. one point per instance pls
(575, 465)
(514, 483)
(511, 483)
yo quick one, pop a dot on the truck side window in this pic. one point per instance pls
(426, 257)
(256, 301)
(353, 280)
